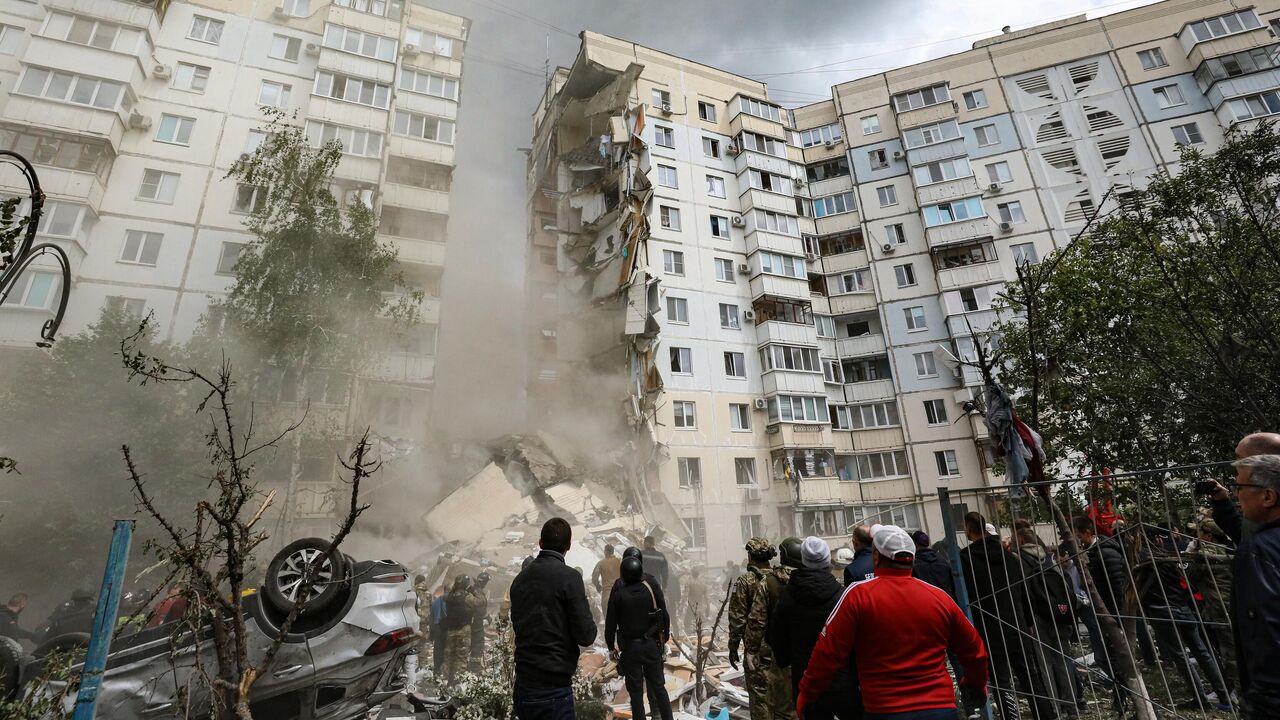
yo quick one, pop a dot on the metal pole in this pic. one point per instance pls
(104, 621)
(957, 572)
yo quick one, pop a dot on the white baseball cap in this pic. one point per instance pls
(892, 542)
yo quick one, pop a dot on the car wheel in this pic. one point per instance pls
(65, 643)
(288, 570)
(10, 668)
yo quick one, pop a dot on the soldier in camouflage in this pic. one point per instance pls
(745, 588)
(477, 620)
(460, 608)
(765, 679)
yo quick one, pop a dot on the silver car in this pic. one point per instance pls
(345, 655)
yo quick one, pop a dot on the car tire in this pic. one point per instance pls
(10, 668)
(285, 572)
(67, 642)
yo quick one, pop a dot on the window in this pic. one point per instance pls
(205, 29)
(175, 130)
(426, 127)
(1011, 212)
(141, 248)
(136, 307)
(931, 134)
(820, 136)
(879, 159)
(1188, 134)
(744, 469)
(925, 365)
(834, 204)
(905, 275)
(1152, 58)
(1229, 24)
(715, 186)
(354, 142)
(677, 310)
(874, 415)
(359, 43)
(788, 357)
(690, 472)
(975, 99)
(971, 299)
(987, 135)
(870, 124)
(764, 144)
(772, 182)
(719, 226)
(664, 136)
(942, 170)
(948, 465)
(193, 78)
(1169, 96)
(895, 234)
(999, 172)
(69, 152)
(881, 465)
(795, 408)
(935, 412)
(706, 111)
(786, 265)
(296, 8)
(349, 89)
(924, 97)
(739, 416)
(833, 168)
(826, 326)
(667, 176)
(777, 222)
(1025, 254)
(954, 211)
(855, 281)
(1239, 63)
(961, 255)
(751, 106)
(1253, 106)
(752, 526)
(888, 195)
(274, 94)
(10, 36)
(857, 328)
(158, 186)
(697, 531)
(669, 216)
(284, 47)
(735, 365)
(729, 317)
(76, 89)
(860, 371)
(673, 262)
(783, 310)
(429, 41)
(60, 219)
(682, 360)
(915, 318)
(228, 258)
(661, 98)
(427, 83)
(724, 270)
(249, 199)
(711, 147)
(35, 289)
(685, 414)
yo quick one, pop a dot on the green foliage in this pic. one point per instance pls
(1155, 338)
(43, 697)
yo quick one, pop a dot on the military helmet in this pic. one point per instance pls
(789, 549)
(760, 549)
(632, 570)
(462, 583)
(632, 552)
(483, 578)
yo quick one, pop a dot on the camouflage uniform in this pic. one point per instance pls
(461, 607)
(423, 591)
(741, 600)
(765, 680)
(481, 613)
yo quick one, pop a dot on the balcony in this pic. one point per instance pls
(406, 368)
(844, 222)
(843, 442)
(141, 13)
(844, 262)
(345, 113)
(408, 196)
(858, 346)
(980, 321)
(1198, 52)
(786, 333)
(878, 439)
(416, 252)
(788, 381)
(927, 115)
(948, 190)
(792, 435)
(760, 161)
(366, 22)
(1225, 90)
(969, 275)
(754, 199)
(825, 492)
(850, 303)
(766, 240)
(960, 232)
(430, 62)
(869, 391)
(87, 60)
(781, 286)
(364, 170)
(79, 119)
(430, 311)
(419, 149)
(939, 151)
(831, 186)
(357, 66)
(58, 183)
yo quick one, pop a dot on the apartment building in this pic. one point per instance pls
(134, 110)
(782, 293)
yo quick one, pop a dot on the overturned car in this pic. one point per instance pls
(344, 654)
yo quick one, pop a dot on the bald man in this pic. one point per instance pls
(1261, 443)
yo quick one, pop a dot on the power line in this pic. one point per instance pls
(518, 15)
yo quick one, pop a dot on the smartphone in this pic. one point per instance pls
(1205, 487)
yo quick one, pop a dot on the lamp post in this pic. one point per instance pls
(18, 248)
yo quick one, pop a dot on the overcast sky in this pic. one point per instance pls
(800, 49)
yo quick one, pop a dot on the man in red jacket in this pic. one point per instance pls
(899, 628)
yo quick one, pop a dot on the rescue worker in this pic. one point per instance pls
(478, 618)
(697, 605)
(460, 607)
(439, 646)
(423, 591)
(604, 575)
(9, 619)
(637, 624)
(1209, 569)
(759, 553)
(73, 616)
(771, 682)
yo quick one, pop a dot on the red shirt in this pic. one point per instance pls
(899, 629)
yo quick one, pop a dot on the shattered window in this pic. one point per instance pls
(719, 226)
(711, 147)
(752, 526)
(690, 470)
(681, 360)
(744, 470)
(715, 186)
(948, 465)
(735, 364)
(669, 217)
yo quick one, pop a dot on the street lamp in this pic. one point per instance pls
(17, 255)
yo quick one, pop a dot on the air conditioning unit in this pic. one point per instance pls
(811, 257)
(138, 121)
(738, 221)
(665, 108)
(887, 248)
(280, 12)
(733, 149)
(410, 50)
(898, 155)
(761, 403)
(994, 187)
(753, 494)
(749, 315)
(312, 49)
(744, 269)
(161, 71)
(1006, 227)
(830, 143)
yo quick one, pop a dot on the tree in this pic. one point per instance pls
(1152, 339)
(314, 290)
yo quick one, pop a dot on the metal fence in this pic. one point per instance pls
(1131, 622)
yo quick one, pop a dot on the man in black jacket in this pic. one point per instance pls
(550, 619)
(803, 607)
(930, 566)
(638, 623)
(655, 563)
(9, 626)
(1109, 571)
(993, 577)
(861, 568)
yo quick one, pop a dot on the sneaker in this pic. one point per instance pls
(1211, 698)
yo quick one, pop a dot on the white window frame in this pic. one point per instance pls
(296, 8)
(144, 243)
(895, 234)
(673, 262)
(677, 310)
(192, 73)
(685, 413)
(175, 125)
(706, 111)
(935, 412)
(724, 270)
(744, 472)
(10, 36)
(887, 195)
(681, 360)
(975, 99)
(915, 318)
(1187, 131)
(255, 199)
(735, 365)
(999, 172)
(661, 133)
(872, 127)
(730, 317)
(426, 83)
(122, 98)
(285, 47)
(1020, 253)
(203, 26)
(739, 417)
(1011, 212)
(689, 471)
(163, 180)
(922, 97)
(720, 227)
(405, 122)
(1169, 96)
(905, 275)
(669, 217)
(326, 84)
(1152, 59)
(946, 462)
(987, 135)
(668, 177)
(355, 42)
(282, 93)
(228, 256)
(354, 141)
(926, 365)
(716, 186)
(21, 296)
